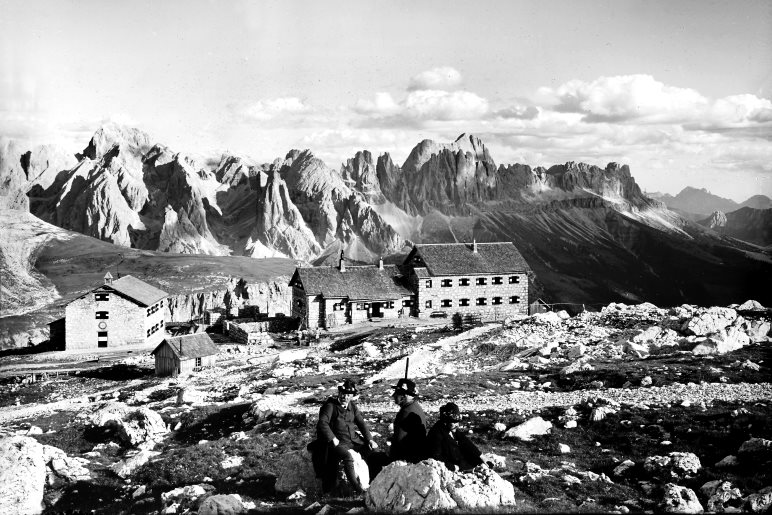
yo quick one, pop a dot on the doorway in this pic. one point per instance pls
(377, 310)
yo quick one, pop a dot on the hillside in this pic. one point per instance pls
(746, 224)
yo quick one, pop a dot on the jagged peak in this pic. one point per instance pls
(110, 134)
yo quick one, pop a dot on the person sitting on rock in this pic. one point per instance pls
(447, 444)
(339, 418)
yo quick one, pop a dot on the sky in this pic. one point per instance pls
(678, 90)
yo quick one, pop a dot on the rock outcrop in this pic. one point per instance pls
(429, 486)
(22, 476)
(133, 426)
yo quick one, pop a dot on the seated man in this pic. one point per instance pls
(409, 440)
(447, 444)
(339, 419)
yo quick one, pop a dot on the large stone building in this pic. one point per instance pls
(120, 312)
(485, 279)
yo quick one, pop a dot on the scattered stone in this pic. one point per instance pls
(679, 499)
(675, 465)
(548, 318)
(563, 448)
(133, 425)
(189, 395)
(528, 429)
(751, 305)
(760, 502)
(710, 320)
(728, 461)
(139, 492)
(496, 462)
(498, 426)
(429, 486)
(719, 493)
(570, 424)
(222, 505)
(231, 462)
(755, 450)
(127, 467)
(646, 381)
(623, 467)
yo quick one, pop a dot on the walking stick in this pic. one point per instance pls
(407, 365)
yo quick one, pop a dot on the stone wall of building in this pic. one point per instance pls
(122, 322)
(512, 296)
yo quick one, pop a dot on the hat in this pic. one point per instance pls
(405, 387)
(348, 386)
(450, 412)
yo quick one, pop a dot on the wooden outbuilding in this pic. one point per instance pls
(181, 354)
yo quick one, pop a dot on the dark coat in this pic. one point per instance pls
(452, 448)
(409, 440)
(335, 421)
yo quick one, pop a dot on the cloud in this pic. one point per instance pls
(382, 105)
(520, 112)
(444, 105)
(267, 109)
(441, 78)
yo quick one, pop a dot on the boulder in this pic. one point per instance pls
(222, 505)
(70, 468)
(576, 351)
(288, 356)
(727, 461)
(675, 465)
(548, 318)
(757, 330)
(128, 466)
(711, 320)
(528, 429)
(190, 395)
(622, 468)
(719, 494)
(22, 476)
(679, 499)
(755, 450)
(759, 502)
(295, 470)
(133, 425)
(725, 340)
(751, 305)
(429, 486)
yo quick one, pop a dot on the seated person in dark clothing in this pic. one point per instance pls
(339, 418)
(409, 440)
(447, 444)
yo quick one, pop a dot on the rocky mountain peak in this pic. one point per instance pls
(717, 219)
(360, 174)
(111, 134)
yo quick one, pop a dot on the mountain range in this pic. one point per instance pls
(589, 233)
(697, 203)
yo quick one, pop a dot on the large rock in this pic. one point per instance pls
(429, 486)
(711, 320)
(719, 494)
(295, 470)
(22, 476)
(134, 426)
(69, 468)
(675, 465)
(528, 429)
(759, 502)
(751, 305)
(189, 395)
(679, 499)
(127, 467)
(222, 505)
(755, 450)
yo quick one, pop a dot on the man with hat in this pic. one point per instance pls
(447, 444)
(339, 418)
(409, 440)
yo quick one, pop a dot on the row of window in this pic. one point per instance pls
(101, 296)
(479, 301)
(102, 315)
(155, 307)
(153, 329)
(479, 281)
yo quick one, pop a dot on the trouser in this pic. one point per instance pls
(337, 454)
(376, 461)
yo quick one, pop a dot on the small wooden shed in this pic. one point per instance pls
(181, 354)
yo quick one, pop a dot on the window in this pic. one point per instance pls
(148, 332)
(148, 311)
(102, 315)
(514, 279)
(428, 283)
(337, 307)
(446, 303)
(428, 304)
(482, 281)
(101, 297)
(482, 301)
(464, 281)
(446, 283)
(102, 334)
(514, 300)
(390, 305)
(406, 303)
(463, 302)
(496, 300)
(198, 362)
(497, 280)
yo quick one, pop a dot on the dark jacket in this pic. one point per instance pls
(452, 449)
(409, 440)
(335, 421)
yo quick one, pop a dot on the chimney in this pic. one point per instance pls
(474, 246)
(380, 264)
(342, 263)
(108, 278)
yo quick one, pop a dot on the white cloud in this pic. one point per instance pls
(382, 105)
(444, 105)
(267, 109)
(443, 77)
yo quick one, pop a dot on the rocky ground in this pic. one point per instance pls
(631, 409)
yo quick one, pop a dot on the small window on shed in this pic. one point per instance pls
(406, 303)
(102, 315)
(482, 281)
(198, 362)
(514, 299)
(497, 280)
(446, 303)
(446, 283)
(101, 296)
(496, 300)
(390, 305)
(428, 283)
(514, 279)
(464, 281)
(482, 301)
(463, 302)
(428, 304)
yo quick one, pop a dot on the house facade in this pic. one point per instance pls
(489, 280)
(485, 279)
(331, 296)
(121, 312)
(183, 354)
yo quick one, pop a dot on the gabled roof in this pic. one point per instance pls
(136, 290)
(459, 258)
(355, 283)
(190, 346)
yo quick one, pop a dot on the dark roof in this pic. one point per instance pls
(356, 283)
(459, 259)
(136, 290)
(190, 346)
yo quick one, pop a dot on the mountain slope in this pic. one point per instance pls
(746, 224)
